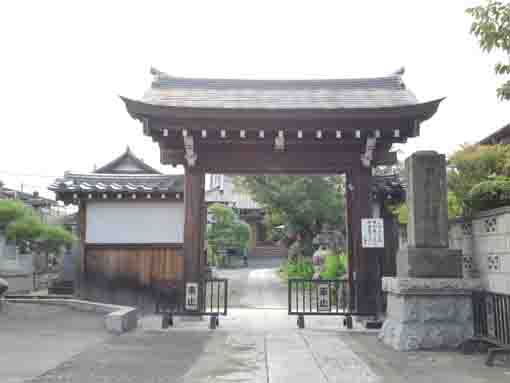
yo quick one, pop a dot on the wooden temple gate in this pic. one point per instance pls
(343, 126)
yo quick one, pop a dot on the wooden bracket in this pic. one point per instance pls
(279, 142)
(368, 156)
(146, 126)
(189, 152)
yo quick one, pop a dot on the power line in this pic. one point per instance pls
(11, 174)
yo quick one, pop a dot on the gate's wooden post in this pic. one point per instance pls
(193, 224)
(82, 227)
(363, 268)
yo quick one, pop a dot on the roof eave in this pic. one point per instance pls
(141, 110)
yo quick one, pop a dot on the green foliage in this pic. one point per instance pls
(491, 26)
(343, 265)
(473, 164)
(10, 210)
(489, 194)
(226, 231)
(454, 209)
(299, 270)
(273, 223)
(295, 252)
(25, 227)
(402, 213)
(335, 265)
(454, 206)
(54, 237)
(303, 203)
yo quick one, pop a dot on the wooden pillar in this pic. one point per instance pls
(82, 227)
(364, 268)
(194, 210)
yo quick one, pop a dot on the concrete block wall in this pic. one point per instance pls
(485, 243)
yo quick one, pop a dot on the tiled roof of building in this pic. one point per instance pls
(389, 91)
(132, 183)
(127, 162)
(498, 136)
(126, 174)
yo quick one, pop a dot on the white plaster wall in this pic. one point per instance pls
(135, 222)
(485, 244)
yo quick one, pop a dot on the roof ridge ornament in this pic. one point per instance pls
(400, 71)
(157, 73)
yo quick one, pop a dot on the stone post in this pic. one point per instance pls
(3, 289)
(429, 304)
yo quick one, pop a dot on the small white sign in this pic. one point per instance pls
(372, 232)
(192, 296)
(323, 293)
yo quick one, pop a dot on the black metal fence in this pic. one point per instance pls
(209, 299)
(491, 319)
(334, 297)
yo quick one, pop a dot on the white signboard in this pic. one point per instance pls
(372, 232)
(323, 293)
(192, 296)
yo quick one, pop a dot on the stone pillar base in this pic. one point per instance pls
(428, 313)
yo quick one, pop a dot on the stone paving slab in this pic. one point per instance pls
(424, 366)
(307, 356)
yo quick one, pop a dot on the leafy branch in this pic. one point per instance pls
(491, 26)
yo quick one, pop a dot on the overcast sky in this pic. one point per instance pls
(64, 63)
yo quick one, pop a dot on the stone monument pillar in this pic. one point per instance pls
(429, 304)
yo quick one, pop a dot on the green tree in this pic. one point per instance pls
(23, 225)
(226, 230)
(10, 211)
(303, 203)
(491, 26)
(472, 164)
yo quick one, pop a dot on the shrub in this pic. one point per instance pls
(297, 270)
(11, 211)
(489, 194)
(473, 164)
(227, 231)
(334, 266)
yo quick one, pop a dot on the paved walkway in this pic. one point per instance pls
(35, 338)
(258, 342)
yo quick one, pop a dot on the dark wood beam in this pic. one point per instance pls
(364, 267)
(193, 211)
(266, 160)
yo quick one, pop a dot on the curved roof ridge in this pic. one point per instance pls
(393, 81)
(164, 80)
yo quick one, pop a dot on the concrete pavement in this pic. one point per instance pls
(35, 338)
(258, 342)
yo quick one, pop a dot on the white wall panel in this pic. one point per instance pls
(135, 222)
